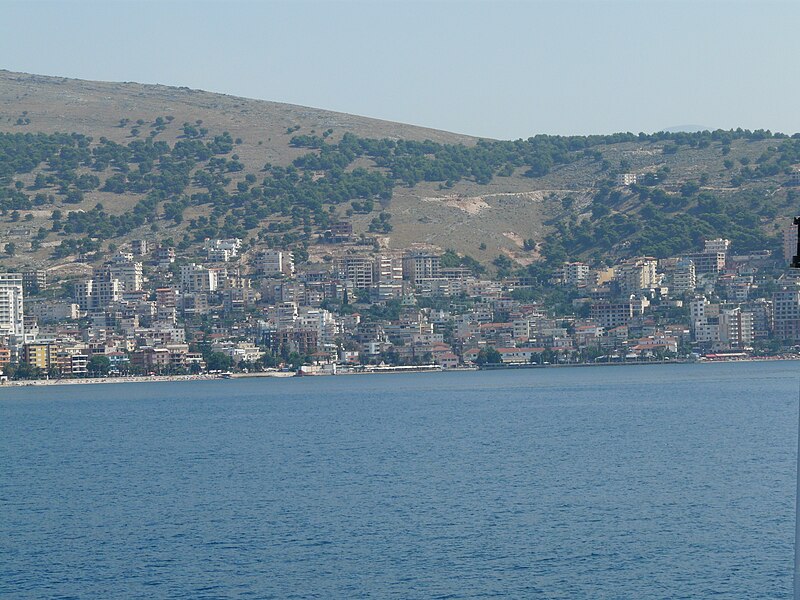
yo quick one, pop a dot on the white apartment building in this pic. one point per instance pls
(197, 278)
(684, 278)
(320, 321)
(574, 273)
(717, 245)
(275, 262)
(11, 305)
(99, 291)
(736, 328)
(283, 315)
(697, 308)
(388, 277)
(223, 250)
(127, 271)
(637, 274)
(51, 312)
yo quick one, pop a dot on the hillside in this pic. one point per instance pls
(86, 166)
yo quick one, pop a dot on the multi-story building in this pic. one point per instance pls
(636, 274)
(151, 359)
(421, 265)
(735, 328)
(12, 321)
(707, 262)
(341, 231)
(705, 320)
(275, 262)
(302, 341)
(127, 271)
(69, 360)
(626, 178)
(611, 314)
(684, 278)
(139, 247)
(166, 297)
(574, 274)
(165, 256)
(358, 269)
(238, 351)
(194, 303)
(52, 311)
(223, 250)
(761, 309)
(239, 298)
(34, 282)
(106, 288)
(716, 246)
(786, 314)
(197, 278)
(99, 291)
(284, 314)
(37, 355)
(388, 277)
(319, 320)
(5, 358)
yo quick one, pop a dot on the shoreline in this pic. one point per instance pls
(640, 363)
(106, 380)
(285, 375)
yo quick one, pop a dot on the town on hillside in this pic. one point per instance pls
(147, 311)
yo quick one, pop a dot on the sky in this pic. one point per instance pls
(490, 68)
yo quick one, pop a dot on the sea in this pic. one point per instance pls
(664, 481)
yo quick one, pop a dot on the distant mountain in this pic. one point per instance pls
(87, 166)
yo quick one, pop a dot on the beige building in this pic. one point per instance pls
(786, 314)
(197, 278)
(612, 314)
(636, 274)
(358, 269)
(421, 265)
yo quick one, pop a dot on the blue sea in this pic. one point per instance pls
(672, 481)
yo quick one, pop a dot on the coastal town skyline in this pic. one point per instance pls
(151, 311)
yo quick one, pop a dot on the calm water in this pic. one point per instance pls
(642, 482)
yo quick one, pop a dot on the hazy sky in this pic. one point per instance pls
(489, 68)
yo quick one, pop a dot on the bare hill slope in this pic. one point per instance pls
(201, 164)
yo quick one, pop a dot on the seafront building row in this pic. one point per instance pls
(147, 310)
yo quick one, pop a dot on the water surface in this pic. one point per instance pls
(669, 481)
